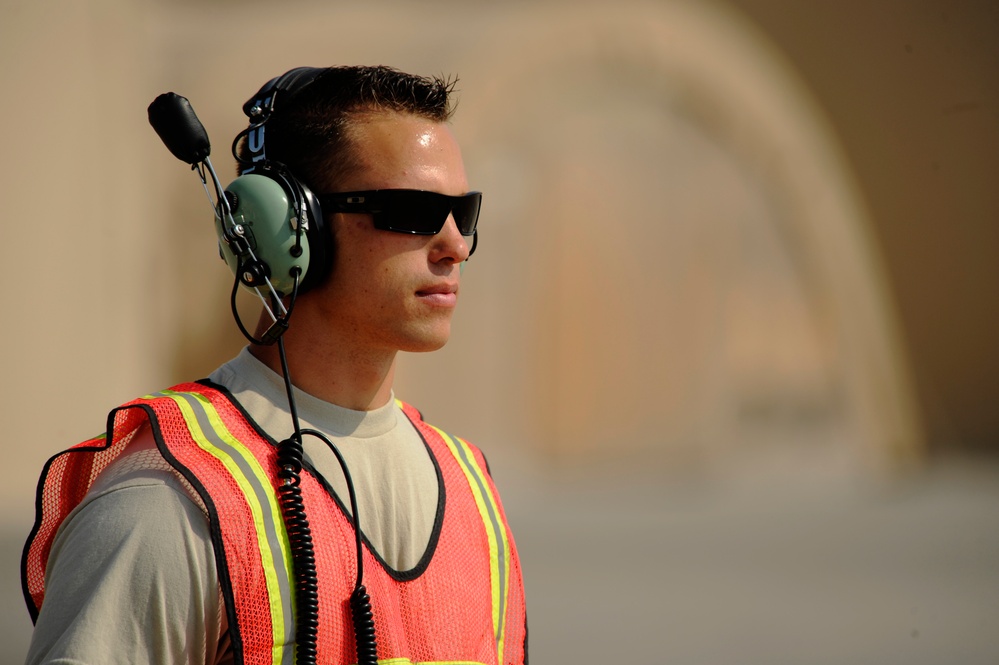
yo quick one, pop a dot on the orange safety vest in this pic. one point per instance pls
(462, 605)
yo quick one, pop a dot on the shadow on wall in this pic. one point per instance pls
(678, 266)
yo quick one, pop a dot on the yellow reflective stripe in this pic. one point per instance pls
(499, 546)
(407, 661)
(211, 434)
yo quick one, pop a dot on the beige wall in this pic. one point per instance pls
(81, 317)
(676, 258)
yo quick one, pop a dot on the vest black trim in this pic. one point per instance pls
(398, 575)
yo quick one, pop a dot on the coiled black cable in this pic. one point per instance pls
(289, 459)
(290, 454)
(360, 602)
(303, 557)
(364, 626)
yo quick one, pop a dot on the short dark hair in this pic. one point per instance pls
(308, 131)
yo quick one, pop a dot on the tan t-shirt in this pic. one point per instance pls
(394, 477)
(132, 578)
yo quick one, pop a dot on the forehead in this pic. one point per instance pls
(401, 150)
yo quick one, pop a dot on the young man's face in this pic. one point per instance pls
(396, 291)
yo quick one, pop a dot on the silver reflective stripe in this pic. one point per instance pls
(265, 498)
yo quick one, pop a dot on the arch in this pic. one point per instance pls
(787, 331)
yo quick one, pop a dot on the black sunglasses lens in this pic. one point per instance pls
(411, 212)
(426, 213)
(466, 213)
(430, 212)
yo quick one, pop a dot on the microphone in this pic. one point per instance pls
(183, 134)
(179, 128)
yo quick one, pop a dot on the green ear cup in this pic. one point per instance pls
(269, 220)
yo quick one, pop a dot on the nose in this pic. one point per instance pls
(449, 245)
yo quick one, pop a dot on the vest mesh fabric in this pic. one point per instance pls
(444, 613)
(65, 481)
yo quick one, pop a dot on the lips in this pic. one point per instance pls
(443, 294)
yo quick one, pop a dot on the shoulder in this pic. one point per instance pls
(139, 501)
(136, 558)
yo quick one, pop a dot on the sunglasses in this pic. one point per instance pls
(409, 210)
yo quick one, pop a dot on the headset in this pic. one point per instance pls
(270, 227)
(272, 234)
(278, 209)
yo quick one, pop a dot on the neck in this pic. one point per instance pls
(358, 379)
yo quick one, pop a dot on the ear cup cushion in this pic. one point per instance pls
(320, 242)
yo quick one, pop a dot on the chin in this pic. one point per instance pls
(425, 346)
(426, 340)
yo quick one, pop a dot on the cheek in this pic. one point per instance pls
(374, 264)
(367, 273)
(351, 253)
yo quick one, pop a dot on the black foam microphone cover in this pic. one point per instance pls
(179, 128)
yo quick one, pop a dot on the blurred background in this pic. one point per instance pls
(728, 341)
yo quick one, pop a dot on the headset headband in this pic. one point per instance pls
(260, 106)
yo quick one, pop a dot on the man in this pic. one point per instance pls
(161, 542)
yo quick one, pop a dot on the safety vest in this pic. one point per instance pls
(463, 604)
